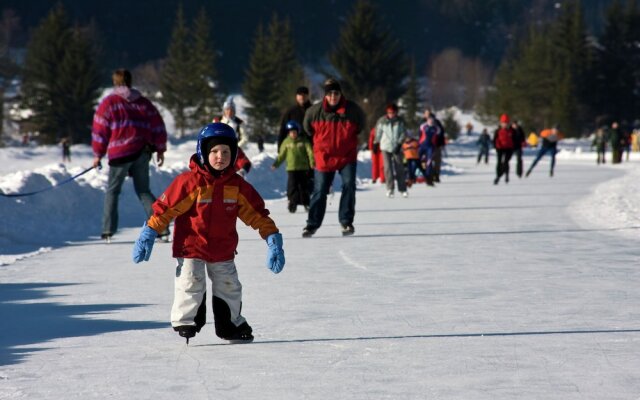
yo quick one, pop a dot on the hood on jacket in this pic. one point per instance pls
(129, 94)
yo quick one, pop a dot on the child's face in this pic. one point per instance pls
(293, 134)
(220, 157)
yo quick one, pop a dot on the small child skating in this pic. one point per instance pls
(411, 152)
(206, 203)
(297, 151)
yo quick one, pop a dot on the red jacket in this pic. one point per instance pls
(205, 209)
(334, 133)
(124, 123)
(242, 161)
(503, 138)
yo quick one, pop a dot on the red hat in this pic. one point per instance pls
(504, 118)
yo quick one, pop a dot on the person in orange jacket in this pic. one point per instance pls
(377, 161)
(550, 139)
(411, 151)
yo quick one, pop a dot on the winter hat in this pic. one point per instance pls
(302, 90)
(229, 104)
(504, 118)
(331, 84)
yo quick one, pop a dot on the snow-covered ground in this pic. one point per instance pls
(466, 291)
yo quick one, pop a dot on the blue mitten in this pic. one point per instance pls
(144, 244)
(275, 258)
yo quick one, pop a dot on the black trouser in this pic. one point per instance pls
(484, 152)
(601, 151)
(502, 168)
(518, 153)
(298, 188)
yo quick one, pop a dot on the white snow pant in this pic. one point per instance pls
(190, 295)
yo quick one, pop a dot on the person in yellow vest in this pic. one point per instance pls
(634, 141)
(550, 139)
(532, 140)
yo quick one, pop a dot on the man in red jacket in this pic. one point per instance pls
(334, 125)
(503, 142)
(128, 129)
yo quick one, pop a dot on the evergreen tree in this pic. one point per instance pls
(288, 69)
(411, 99)
(40, 89)
(260, 87)
(206, 92)
(272, 77)
(176, 78)
(371, 64)
(617, 81)
(8, 69)
(80, 82)
(544, 81)
(572, 62)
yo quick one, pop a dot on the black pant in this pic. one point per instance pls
(502, 168)
(518, 153)
(298, 188)
(484, 152)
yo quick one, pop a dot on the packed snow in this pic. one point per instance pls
(464, 291)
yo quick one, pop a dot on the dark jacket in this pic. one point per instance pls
(518, 137)
(295, 113)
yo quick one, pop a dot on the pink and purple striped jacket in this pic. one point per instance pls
(124, 123)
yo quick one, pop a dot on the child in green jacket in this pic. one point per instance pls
(297, 151)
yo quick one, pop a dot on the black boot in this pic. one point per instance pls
(186, 331)
(243, 334)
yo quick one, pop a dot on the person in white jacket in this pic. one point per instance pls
(390, 133)
(230, 118)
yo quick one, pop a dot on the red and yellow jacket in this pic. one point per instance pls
(205, 209)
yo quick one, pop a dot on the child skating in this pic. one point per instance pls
(297, 151)
(205, 203)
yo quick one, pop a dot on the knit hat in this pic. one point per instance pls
(302, 90)
(504, 118)
(229, 104)
(214, 141)
(331, 84)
